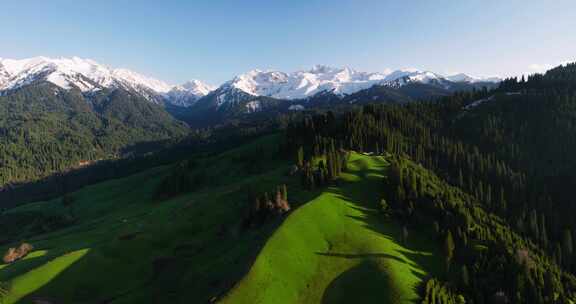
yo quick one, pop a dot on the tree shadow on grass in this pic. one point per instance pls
(109, 274)
(419, 251)
(364, 283)
(363, 256)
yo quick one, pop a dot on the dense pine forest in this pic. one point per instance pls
(45, 130)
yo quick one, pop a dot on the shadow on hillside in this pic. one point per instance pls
(109, 273)
(23, 265)
(363, 195)
(362, 256)
(375, 287)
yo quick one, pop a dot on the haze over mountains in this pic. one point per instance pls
(89, 76)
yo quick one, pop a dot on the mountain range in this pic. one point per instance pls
(88, 76)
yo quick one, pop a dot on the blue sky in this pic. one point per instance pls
(215, 40)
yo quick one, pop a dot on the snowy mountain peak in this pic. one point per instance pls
(412, 75)
(188, 93)
(197, 87)
(461, 77)
(89, 76)
(84, 74)
(322, 79)
(304, 84)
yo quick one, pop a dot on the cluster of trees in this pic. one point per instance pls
(437, 292)
(320, 159)
(15, 254)
(329, 164)
(186, 176)
(266, 207)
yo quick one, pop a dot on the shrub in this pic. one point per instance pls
(15, 254)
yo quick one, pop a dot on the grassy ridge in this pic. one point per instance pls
(338, 249)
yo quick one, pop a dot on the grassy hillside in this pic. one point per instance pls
(127, 247)
(338, 249)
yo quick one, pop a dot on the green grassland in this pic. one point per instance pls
(135, 249)
(339, 249)
(127, 247)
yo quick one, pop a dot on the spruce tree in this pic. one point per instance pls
(449, 249)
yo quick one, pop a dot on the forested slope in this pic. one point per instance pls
(45, 129)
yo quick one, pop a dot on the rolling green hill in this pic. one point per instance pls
(338, 249)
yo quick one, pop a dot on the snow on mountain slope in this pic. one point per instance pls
(461, 77)
(303, 84)
(321, 79)
(188, 93)
(89, 76)
(413, 75)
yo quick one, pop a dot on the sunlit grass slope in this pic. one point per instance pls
(339, 249)
(128, 247)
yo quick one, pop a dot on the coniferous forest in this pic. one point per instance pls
(45, 130)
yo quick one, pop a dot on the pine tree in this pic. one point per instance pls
(502, 204)
(449, 248)
(465, 278)
(568, 247)
(300, 157)
(284, 192)
(404, 234)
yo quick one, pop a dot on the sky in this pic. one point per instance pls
(215, 40)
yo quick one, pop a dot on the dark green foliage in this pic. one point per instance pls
(436, 292)
(500, 260)
(186, 176)
(44, 129)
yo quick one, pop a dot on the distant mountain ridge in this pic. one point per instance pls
(88, 76)
(323, 79)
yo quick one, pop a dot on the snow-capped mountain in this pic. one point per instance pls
(461, 77)
(322, 79)
(89, 76)
(303, 84)
(413, 75)
(188, 93)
